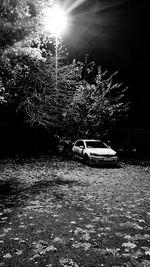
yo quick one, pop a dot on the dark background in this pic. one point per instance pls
(115, 34)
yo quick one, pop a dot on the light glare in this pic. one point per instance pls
(55, 20)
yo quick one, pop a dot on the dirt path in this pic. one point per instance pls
(60, 213)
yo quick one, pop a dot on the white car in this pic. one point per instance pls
(94, 152)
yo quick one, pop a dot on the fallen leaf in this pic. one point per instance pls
(19, 252)
(7, 256)
(65, 262)
(4, 218)
(145, 248)
(126, 255)
(16, 238)
(43, 242)
(6, 230)
(59, 240)
(90, 226)
(128, 237)
(145, 263)
(34, 257)
(2, 235)
(51, 248)
(129, 245)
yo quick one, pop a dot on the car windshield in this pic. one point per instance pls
(95, 144)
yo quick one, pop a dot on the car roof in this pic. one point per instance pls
(91, 140)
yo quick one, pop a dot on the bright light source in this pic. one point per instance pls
(55, 20)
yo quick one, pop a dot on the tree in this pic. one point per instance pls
(96, 107)
(74, 104)
(27, 69)
(20, 19)
(29, 78)
(43, 101)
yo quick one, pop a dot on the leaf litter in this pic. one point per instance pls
(61, 204)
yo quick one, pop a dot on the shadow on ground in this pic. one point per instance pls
(12, 195)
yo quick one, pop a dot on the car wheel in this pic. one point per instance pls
(86, 160)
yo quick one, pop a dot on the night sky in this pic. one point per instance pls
(115, 34)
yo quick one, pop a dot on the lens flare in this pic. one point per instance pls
(55, 20)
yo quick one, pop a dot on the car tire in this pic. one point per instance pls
(86, 160)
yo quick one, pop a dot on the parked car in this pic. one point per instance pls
(94, 152)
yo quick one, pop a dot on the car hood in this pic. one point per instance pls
(101, 151)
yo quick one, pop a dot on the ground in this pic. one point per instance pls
(55, 212)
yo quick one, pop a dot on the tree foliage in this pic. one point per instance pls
(20, 19)
(46, 99)
(70, 103)
(96, 107)
(29, 78)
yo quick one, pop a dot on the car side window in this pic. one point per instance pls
(82, 143)
(79, 143)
